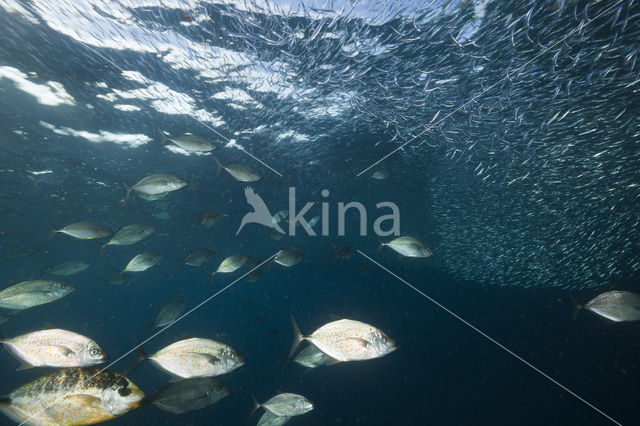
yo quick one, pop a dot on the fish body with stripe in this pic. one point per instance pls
(286, 405)
(84, 230)
(189, 395)
(615, 305)
(27, 294)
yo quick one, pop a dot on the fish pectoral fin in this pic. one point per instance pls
(66, 352)
(358, 341)
(84, 400)
(211, 359)
(24, 366)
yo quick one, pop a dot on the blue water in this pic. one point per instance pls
(526, 194)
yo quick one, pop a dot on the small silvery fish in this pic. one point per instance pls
(312, 357)
(17, 252)
(155, 185)
(230, 264)
(129, 234)
(270, 419)
(194, 357)
(239, 172)
(380, 174)
(168, 313)
(256, 274)
(409, 246)
(142, 262)
(54, 348)
(189, 395)
(73, 396)
(189, 143)
(286, 405)
(615, 305)
(27, 294)
(84, 230)
(65, 269)
(347, 340)
(289, 257)
(208, 218)
(198, 257)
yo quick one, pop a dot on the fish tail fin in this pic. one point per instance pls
(53, 231)
(141, 355)
(180, 263)
(165, 139)
(127, 195)
(218, 163)
(298, 337)
(102, 248)
(380, 244)
(576, 307)
(256, 405)
(5, 401)
(212, 274)
(34, 180)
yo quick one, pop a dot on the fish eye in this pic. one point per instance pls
(94, 352)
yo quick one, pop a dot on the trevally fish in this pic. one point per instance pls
(118, 278)
(65, 269)
(270, 419)
(343, 253)
(194, 357)
(190, 143)
(189, 395)
(275, 235)
(84, 230)
(347, 340)
(198, 257)
(17, 252)
(156, 184)
(27, 294)
(129, 234)
(72, 396)
(409, 246)
(615, 305)
(143, 261)
(208, 218)
(256, 274)
(54, 348)
(312, 357)
(168, 313)
(289, 257)
(239, 172)
(230, 264)
(286, 405)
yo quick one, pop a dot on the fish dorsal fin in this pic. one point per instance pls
(334, 317)
(24, 366)
(211, 359)
(84, 401)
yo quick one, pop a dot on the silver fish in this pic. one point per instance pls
(55, 348)
(73, 396)
(615, 305)
(130, 234)
(27, 294)
(190, 143)
(312, 357)
(239, 172)
(208, 218)
(142, 262)
(156, 184)
(84, 230)
(409, 246)
(195, 357)
(347, 340)
(189, 395)
(230, 264)
(168, 313)
(198, 257)
(286, 405)
(270, 419)
(17, 252)
(289, 257)
(65, 269)
(380, 174)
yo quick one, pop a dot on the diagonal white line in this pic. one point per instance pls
(492, 340)
(507, 76)
(162, 330)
